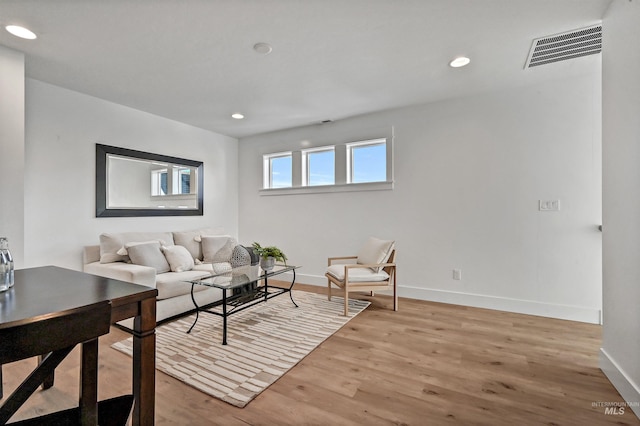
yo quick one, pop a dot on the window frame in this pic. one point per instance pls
(268, 169)
(361, 144)
(306, 169)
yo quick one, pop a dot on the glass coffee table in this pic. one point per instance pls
(242, 287)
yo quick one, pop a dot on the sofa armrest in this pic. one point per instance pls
(136, 274)
(90, 254)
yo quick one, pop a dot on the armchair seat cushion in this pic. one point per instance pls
(357, 274)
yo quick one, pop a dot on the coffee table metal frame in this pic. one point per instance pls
(243, 282)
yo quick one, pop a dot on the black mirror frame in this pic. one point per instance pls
(101, 183)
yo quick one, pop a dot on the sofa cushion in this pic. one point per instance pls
(188, 239)
(129, 272)
(111, 243)
(179, 258)
(148, 254)
(217, 248)
(172, 284)
(375, 251)
(207, 267)
(358, 274)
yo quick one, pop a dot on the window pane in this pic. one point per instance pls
(159, 182)
(321, 168)
(369, 163)
(281, 172)
(163, 183)
(185, 181)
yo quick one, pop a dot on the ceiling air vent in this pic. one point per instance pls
(559, 47)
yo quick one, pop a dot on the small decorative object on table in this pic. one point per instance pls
(269, 255)
(6, 265)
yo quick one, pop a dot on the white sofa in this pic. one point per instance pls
(166, 261)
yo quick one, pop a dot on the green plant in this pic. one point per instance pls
(270, 251)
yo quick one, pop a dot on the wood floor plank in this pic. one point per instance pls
(427, 364)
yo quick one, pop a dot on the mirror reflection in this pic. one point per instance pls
(135, 183)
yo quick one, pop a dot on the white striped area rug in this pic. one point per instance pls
(264, 342)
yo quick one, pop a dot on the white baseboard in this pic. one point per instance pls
(566, 312)
(528, 307)
(628, 390)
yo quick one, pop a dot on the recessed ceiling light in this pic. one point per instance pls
(459, 62)
(263, 48)
(237, 116)
(21, 32)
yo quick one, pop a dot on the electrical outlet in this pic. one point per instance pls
(549, 205)
(457, 274)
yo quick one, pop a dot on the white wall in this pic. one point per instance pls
(62, 128)
(620, 354)
(12, 150)
(468, 177)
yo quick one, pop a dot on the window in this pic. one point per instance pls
(354, 164)
(180, 179)
(367, 161)
(159, 182)
(182, 185)
(278, 169)
(319, 167)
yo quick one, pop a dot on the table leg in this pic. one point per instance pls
(144, 364)
(193, 299)
(48, 382)
(266, 288)
(291, 288)
(89, 383)
(224, 316)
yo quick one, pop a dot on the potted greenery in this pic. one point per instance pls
(269, 255)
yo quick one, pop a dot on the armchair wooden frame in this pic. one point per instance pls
(364, 286)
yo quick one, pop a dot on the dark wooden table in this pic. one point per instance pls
(50, 289)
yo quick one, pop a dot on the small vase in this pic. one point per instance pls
(267, 263)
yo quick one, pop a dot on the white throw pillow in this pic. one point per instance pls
(179, 258)
(217, 248)
(148, 254)
(188, 240)
(375, 251)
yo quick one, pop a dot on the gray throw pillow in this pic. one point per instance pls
(149, 254)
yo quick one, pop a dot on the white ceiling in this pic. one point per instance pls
(192, 60)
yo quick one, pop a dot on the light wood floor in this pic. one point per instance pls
(427, 364)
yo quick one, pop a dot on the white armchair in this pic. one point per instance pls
(373, 269)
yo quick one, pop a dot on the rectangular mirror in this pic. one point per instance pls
(135, 183)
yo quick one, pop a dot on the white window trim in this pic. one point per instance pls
(305, 163)
(320, 189)
(267, 180)
(349, 162)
